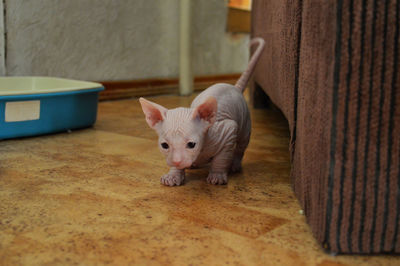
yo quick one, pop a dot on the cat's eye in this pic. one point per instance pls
(191, 145)
(164, 145)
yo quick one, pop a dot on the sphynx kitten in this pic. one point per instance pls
(215, 129)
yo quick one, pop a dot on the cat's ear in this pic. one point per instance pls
(154, 113)
(207, 111)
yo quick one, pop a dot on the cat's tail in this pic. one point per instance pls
(244, 78)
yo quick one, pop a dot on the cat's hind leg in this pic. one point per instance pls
(221, 162)
(241, 145)
(237, 162)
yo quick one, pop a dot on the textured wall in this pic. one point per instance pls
(2, 48)
(116, 39)
(216, 51)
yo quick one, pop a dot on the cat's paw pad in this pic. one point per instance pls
(217, 178)
(174, 179)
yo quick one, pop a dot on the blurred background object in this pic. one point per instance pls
(239, 16)
(242, 4)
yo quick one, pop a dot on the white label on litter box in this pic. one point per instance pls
(22, 111)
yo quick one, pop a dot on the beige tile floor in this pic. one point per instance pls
(93, 197)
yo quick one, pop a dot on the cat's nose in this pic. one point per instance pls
(177, 163)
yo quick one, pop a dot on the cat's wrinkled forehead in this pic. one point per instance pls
(177, 120)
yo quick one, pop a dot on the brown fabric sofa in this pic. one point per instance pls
(332, 67)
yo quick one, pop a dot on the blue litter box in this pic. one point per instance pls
(40, 105)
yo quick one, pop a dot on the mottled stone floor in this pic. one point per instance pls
(93, 196)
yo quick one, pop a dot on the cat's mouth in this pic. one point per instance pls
(180, 166)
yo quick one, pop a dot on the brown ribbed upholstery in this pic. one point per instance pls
(333, 68)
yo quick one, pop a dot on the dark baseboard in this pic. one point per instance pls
(150, 87)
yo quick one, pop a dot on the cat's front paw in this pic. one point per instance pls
(173, 179)
(217, 178)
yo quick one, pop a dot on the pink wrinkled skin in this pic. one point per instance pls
(214, 130)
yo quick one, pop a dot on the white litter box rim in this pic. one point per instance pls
(25, 85)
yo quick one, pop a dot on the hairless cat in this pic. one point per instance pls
(215, 129)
